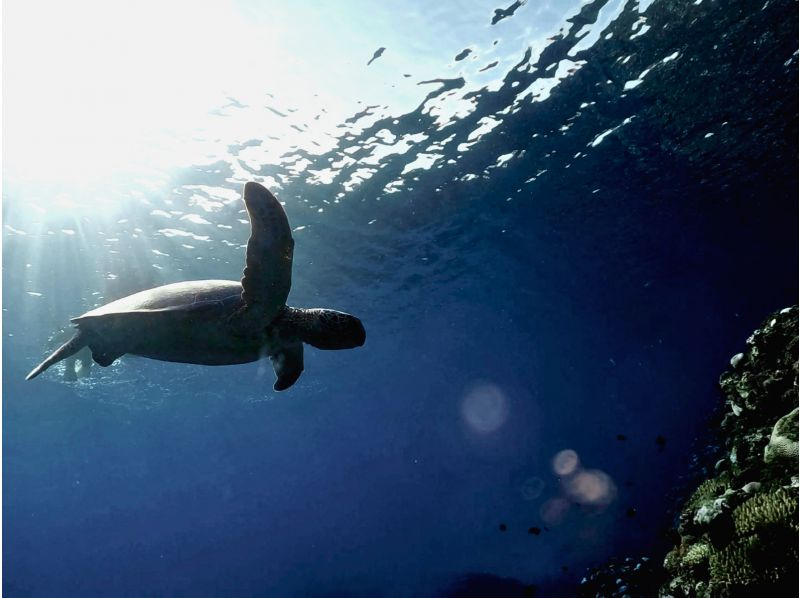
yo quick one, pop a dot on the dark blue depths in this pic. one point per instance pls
(603, 300)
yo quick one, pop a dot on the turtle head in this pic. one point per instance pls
(326, 328)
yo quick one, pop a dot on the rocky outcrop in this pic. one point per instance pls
(782, 446)
(739, 529)
(737, 534)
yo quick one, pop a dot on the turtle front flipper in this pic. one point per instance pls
(288, 365)
(268, 268)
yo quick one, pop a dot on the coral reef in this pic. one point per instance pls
(739, 530)
(737, 534)
(783, 441)
(629, 577)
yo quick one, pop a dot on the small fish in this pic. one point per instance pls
(378, 54)
(502, 13)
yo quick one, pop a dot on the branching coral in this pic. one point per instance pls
(765, 511)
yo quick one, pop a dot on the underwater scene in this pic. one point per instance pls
(466, 298)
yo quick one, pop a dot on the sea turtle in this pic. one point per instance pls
(220, 322)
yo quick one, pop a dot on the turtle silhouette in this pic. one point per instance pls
(220, 322)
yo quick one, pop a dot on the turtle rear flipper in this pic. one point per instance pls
(288, 364)
(105, 358)
(72, 346)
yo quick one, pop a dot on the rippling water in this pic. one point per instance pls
(556, 220)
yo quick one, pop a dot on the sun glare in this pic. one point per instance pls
(100, 93)
(101, 88)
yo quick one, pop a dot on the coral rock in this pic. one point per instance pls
(783, 441)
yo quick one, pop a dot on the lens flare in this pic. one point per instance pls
(554, 510)
(485, 408)
(565, 462)
(532, 488)
(591, 487)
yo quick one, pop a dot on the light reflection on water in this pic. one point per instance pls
(229, 73)
(278, 120)
(390, 133)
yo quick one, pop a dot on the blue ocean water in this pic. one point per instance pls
(555, 243)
